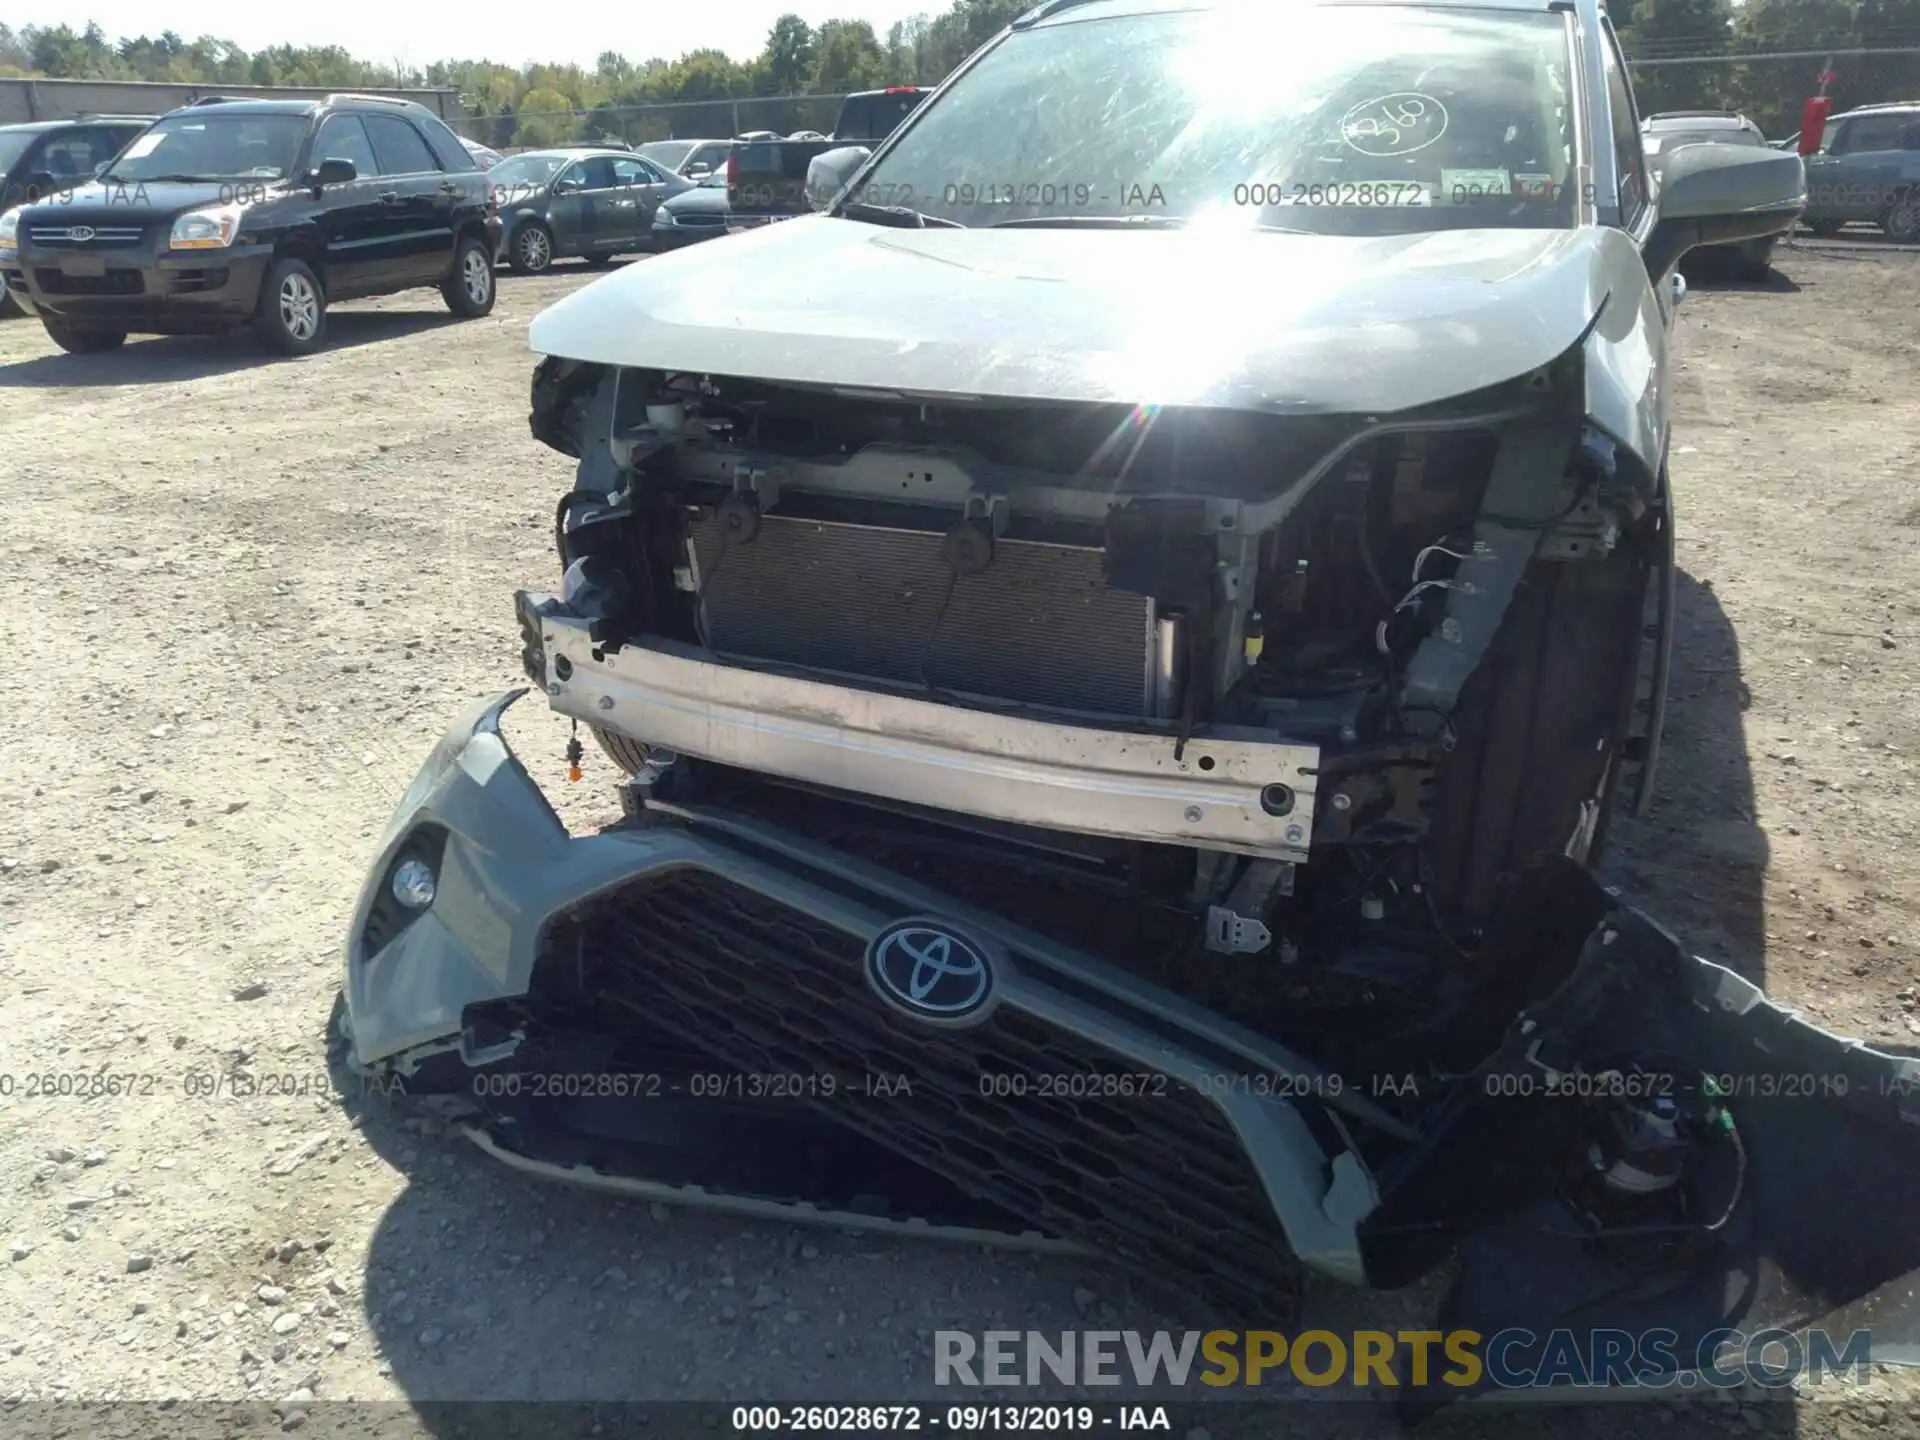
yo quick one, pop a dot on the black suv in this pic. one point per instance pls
(40, 158)
(257, 212)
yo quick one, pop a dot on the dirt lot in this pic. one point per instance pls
(240, 599)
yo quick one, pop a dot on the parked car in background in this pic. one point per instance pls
(693, 215)
(483, 156)
(1867, 169)
(691, 159)
(1663, 134)
(596, 203)
(231, 213)
(767, 178)
(38, 159)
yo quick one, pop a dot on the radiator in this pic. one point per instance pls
(1039, 625)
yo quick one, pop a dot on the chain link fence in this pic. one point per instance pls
(636, 124)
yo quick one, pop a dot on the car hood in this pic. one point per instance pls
(130, 202)
(701, 200)
(1241, 320)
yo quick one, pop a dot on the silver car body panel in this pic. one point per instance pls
(510, 865)
(974, 762)
(1281, 323)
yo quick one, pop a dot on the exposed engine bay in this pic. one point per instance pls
(1158, 832)
(1306, 605)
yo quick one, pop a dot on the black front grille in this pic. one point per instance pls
(113, 282)
(1159, 1181)
(195, 282)
(80, 236)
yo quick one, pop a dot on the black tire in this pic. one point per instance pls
(530, 252)
(629, 755)
(291, 317)
(600, 259)
(1901, 219)
(1826, 229)
(469, 288)
(80, 340)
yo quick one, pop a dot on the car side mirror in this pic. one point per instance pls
(699, 172)
(565, 187)
(829, 172)
(1716, 194)
(332, 171)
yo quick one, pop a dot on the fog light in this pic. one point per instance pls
(413, 884)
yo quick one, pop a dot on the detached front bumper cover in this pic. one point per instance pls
(1824, 1229)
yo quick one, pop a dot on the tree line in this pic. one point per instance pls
(545, 104)
(1771, 91)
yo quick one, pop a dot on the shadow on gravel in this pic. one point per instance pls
(163, 360)
(1709, 277)
(1697, 862)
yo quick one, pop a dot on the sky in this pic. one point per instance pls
(416, 34)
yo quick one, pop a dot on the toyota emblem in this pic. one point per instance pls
(931, 972)
(80, 234)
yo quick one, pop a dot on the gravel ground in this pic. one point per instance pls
(258, 591)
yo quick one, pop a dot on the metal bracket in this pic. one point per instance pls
(994, 509)
(1437, 670)
(1588, 532)
(762, 484)
(1236, 927)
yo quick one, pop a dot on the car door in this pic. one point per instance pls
(571, 208)
(640, 188)
(1866, 163)
(355, 224)
(420, 199)
(603, 227)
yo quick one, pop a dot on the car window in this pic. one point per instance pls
(206, 144)
(73, 154)
(448, 148)
(1410, 119)
(594, 174)
(635, 172)
(399, 147)
(669, 153)
(525, 172)
(1871, 132)
(874, 117)
(1629, 160)
(13, 144)
(343, 137)
(711, 156)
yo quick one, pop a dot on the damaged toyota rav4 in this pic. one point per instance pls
(1125, 634)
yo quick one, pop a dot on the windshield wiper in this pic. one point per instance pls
(1090, 222)
(904, 217)
(162, 179)
(1123, 222)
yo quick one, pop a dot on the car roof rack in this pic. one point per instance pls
(1045, 10)
(217, 100)
(369, 99)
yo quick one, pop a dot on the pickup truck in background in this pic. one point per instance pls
(767, 179)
